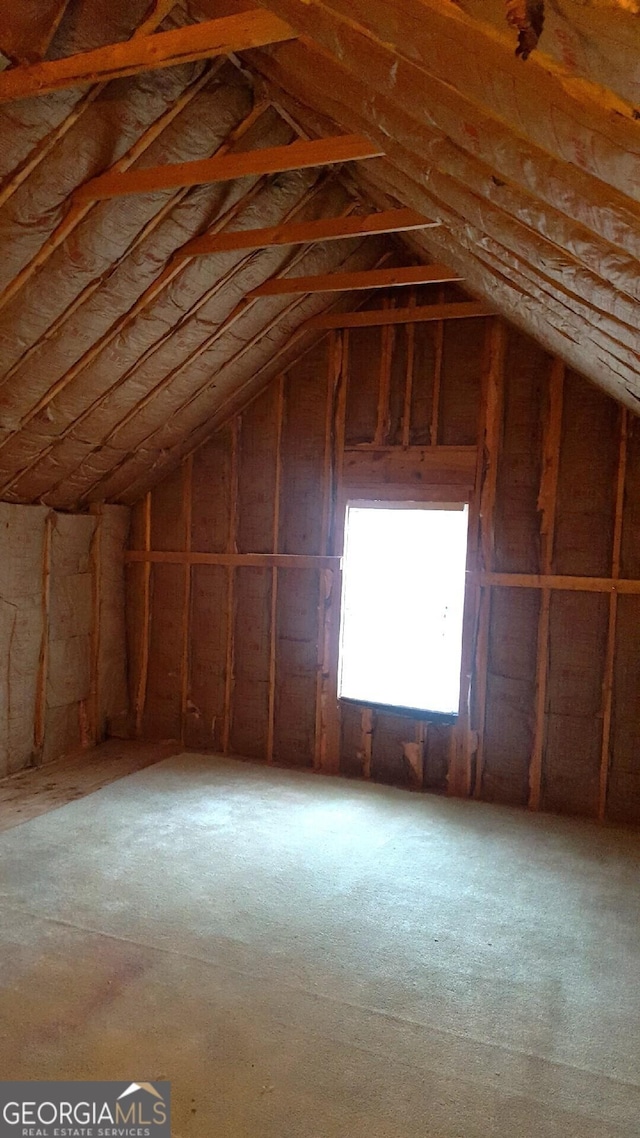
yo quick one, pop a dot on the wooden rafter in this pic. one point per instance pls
(192, 311)
(481, 212)
(354, 282)
(231, 405)
(250, 163)
(302, 233)
(78, 212)
(144, 53)
(25, 33)
(156, 15)
(417, 314)
(158, 10)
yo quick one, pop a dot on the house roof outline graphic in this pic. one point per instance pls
(148, 1087)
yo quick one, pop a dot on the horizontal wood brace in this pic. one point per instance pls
(557, 581)
(241, 560)
(420, 314)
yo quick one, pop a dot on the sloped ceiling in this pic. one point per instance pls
(112, 365)
(532, 167)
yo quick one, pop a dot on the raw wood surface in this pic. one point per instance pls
(273, 160)
(301, 233)
(347, 282)
(145, 53)
(463, 310)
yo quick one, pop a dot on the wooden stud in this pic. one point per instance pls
(480, 552)
(356, 281)
(157, 12)
(547, 506)
(308, 232)
(146, 53)
(273, 624)
(560, 582)
(97, 510)
(244, 164)
(326, 729)
(420, 314)
(78, 212)
(156, 15)
(41, 48)
(231, 552)
(339, 365)
(187, 497)
(232, 560)
(609, 668)
(437, 384)
(141, 695)
(384, 384)
(43, 661)
(408, 387)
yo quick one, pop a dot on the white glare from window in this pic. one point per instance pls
(402, 605)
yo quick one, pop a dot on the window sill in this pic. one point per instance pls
(444, 718)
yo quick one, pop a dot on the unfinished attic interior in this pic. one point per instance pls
(320, 456)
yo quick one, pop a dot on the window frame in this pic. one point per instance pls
(444, 718)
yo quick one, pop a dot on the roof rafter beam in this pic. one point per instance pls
(241, 308)
(156, 15)
(352, 282)
(302, 233)
(79, 211)
(246, 30)
(218, 285)
(250, 163)
(419, 314)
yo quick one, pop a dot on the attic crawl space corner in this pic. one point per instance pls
(262, 263)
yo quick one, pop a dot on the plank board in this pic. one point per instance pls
(356, 281)
(243, 164)
(305, 232)
(146, 53)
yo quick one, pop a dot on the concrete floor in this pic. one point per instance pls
(313, 958)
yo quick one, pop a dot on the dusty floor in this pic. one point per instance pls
(36, 791)
(313, 958)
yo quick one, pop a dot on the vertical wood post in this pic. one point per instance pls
(609, 668)
(95, 717)
(547, 507)
(231, 548)
(437, 384)
(275, 545)
(141, 695)
(43, 661)
(187, 498)
(328, 756)
(463, 778)
(410, 333)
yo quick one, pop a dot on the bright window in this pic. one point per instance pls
(402, 604)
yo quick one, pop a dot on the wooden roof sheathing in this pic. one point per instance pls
(115, 357)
